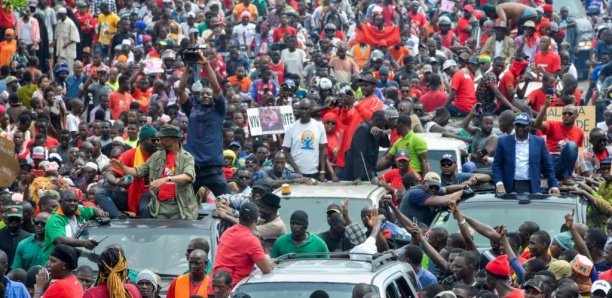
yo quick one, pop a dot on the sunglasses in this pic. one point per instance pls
(568, 114)
(330, 122)
(434, 188)
(244, 177)
(40, 223)
(446, 164)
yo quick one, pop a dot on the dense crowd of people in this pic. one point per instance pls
(148, 109)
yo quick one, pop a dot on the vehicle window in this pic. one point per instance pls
(168, 257)
(390, 291)
(297, 289)
(576, 8)
(315, 207)
(509, 213)
(434, 156)
(404, 288)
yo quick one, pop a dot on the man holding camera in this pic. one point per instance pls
(204, 134)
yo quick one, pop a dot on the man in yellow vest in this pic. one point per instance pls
(193, 283)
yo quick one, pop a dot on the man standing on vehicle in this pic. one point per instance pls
(448, 168)
(239, 250)
(194, 281)
(65, 224)
(521, 159)
(204, 133)
(410, 142)
(305, 143)
(462, 96)
(299, 240)
(171, 172)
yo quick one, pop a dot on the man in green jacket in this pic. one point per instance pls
(171, 172)
(66, 223)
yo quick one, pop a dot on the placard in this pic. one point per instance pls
(153, 66)
(447, 6)
(269, 120)
(9, 168)
(585, 120)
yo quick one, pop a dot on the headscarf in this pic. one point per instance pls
(67, 255)
(518, 66)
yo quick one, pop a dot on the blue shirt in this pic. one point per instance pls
(426, 278)
(204, 133)
(72, 86)
(459, 178)
(15, 289)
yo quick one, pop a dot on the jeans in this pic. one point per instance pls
(454, 112)
(103, 49)
(565, 163)
(211, 177)
(114, 202)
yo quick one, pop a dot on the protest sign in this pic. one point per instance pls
(153, 66)
(269, 120)
(585, 120)
(9, 168)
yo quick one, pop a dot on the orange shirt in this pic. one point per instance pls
(245, 83)
(119, 102)
(7, 49)
(399, 54)
(252, 9)
(143, 98)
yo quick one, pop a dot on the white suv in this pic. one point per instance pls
(299, 278)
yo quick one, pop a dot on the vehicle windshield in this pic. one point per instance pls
(576, 8)
(316, 210)
(549, 217)
(160, 250)
(296, 289)
(434, 156)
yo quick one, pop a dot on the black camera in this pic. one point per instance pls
(191, 54)
(103, 221)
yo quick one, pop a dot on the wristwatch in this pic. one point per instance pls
(169, 179)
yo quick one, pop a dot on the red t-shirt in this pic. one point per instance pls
(606, 275)
(280, 32)
(237, 253)
(462, 24)
(556, 132)
(537, 98)
(506, 81)
(65, 288)
(139, 185)
(550, 61)
(417, 19)
(465, 97)
(119, 102)
(102, 292)
(167, 190)
(433, 100)
(50, 143)
(559, 103)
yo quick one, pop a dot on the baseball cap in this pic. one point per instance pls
(448, 63)
(534, 283)
(38, 152)
(522, 118)
(325, 84)
(529, 24)
(333, 208)
(432, 178)
(600, 285)
(468, 8)
(14, 211)
(448, 157)
(249, 211)
(402, 155)
(262, 185)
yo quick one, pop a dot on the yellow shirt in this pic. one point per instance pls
(107, 27)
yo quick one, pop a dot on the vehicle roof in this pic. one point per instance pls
(480, 198)
(323, 270)
(333, 190)
(435, 141)
(150, 223)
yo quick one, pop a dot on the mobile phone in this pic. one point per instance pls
(550, 91)
(479, 108)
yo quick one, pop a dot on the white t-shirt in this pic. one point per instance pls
(304, 141)
(72, 123)
(248, 31)
(294, 61)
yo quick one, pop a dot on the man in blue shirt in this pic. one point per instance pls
(204, 133)
(73, 82)
(448, 168)
(13, 289)
(413, 255)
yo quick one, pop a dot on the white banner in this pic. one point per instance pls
(269, 120)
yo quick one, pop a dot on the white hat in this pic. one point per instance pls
(91, 165)
(62, 10)
(118, 139)
(601, 285)
(448, 63)
(325, 84)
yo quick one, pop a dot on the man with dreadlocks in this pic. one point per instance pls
(193, 283)
(112, 272)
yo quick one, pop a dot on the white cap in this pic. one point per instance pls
(325, 84)
(448, 63)
(91, 165)
(601, 285)
(62, 10)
